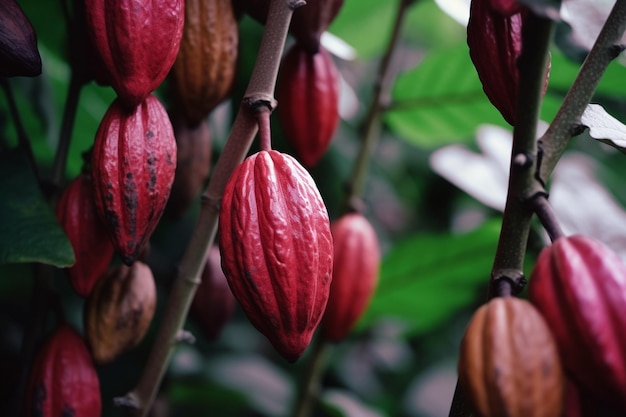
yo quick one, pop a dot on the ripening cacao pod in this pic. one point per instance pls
(63, 380)
(133, 163)
(204, 70)
(356, 262)
(579, 285)
(137, 41)
(509, 362)
(19, 55)
(214, 304)
(308, 102)
(506, 7)
(119, 311)
(90, 240)
(277, 249)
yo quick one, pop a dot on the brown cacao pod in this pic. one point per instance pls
(277, 249)
(204, 70)
(193, 164)
(509, 362)
(90, 240)
(356, 262)
(133, 163)
(19, 55)
(214, 304)
(137, 41)
(579, 285)
(308, 102)
(119, 311)
(63, 380)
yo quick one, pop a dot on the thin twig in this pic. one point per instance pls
(543, 210)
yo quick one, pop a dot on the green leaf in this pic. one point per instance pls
(29, 231)
(427, 279)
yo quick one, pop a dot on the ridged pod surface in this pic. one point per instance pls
(356, 263)
(277, 249)
(204, 70)
(133, 163)
(579, 285)
(137, 41)
(63, 380)
(90, 240)
(509, 362)
(19, 55)
(308, 102)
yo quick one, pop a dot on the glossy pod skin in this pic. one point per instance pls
(19, 55)
(509, 364)
(277, 250)
(579, 285)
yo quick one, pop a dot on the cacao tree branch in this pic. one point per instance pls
(260, 92)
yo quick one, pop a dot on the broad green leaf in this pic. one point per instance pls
(427, 279)
(29, 231)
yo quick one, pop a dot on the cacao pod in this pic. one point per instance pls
(63, 380)
(92, 246)
(506, 7)
(204, 70)
(137, 41)
(214, 304)
(509, 362)
(19, 55)
(356, 262)
(308, 102)
(579, 285)
(193, 164)
(119, 311)
(277, 249)
(133, 163)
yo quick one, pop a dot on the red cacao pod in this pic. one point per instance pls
(356, 262)
(137, 41)
(63, 380)
(277, 248)
(509, 362)
(308, 102)
(134, 160)
(204, 70)
(19, 55)
(90, 240)
(214, 304)
(579, 285)
(506, 7)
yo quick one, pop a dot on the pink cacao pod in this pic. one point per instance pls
(356, 262)
(277, 249)
(579, 285)
(63, 381)
(19, 55)
(134, 160)
(308, 102)
(137, 41)
(90, 240)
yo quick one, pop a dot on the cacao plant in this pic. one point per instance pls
(308, 102)
(509, 362)
(133, 163)
(137, 42)
(277, 249)
(119, 311)
(63, 379)
(90, 240)
(356, 262)
(579, 285)
(19, 55)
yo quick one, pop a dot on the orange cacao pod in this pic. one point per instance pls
(134, 160)
(356, 262)
(119, 311)
(276, 248)
(137, 41)
(308, 102)
(63, 380)
(19, 55)
(579, 285)
(509, 363)
(92, 246)
(204, 70)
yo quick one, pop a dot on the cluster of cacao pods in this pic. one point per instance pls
(19, 55)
